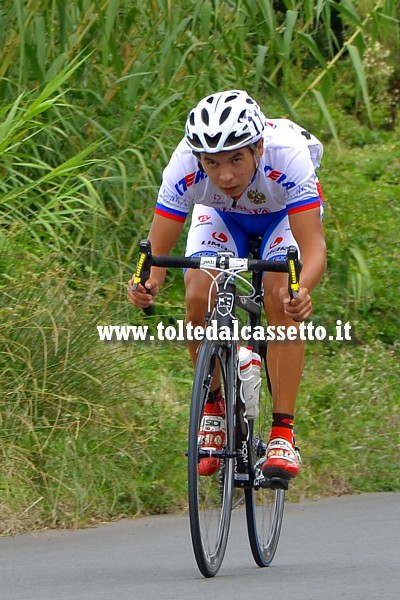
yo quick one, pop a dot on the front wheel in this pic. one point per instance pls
(210, 496)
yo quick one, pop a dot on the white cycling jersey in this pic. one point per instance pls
(285, 178)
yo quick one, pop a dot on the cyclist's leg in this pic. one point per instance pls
(210, 232)
(285, 358)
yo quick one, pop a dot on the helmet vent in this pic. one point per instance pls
(234, 140)
(230, 98)
(195, 141)
(225, 114)
(205, 116)
(212, 141)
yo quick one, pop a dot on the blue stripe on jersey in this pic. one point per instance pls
(301, 203)
(171, 211)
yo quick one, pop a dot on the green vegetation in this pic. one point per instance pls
(93, 97)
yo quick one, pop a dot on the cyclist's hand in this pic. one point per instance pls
(144, 295)
(298, 308)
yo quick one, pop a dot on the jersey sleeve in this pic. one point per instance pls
(307, 193)
(174, 200)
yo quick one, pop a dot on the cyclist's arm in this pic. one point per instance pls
(308, 232)
(163, 235)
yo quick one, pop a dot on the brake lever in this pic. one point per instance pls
(142, 272)
(294, 267)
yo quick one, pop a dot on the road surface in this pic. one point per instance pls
(338, 548)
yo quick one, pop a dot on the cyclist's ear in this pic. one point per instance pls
(198, 156)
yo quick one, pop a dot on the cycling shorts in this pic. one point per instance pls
(212, 231)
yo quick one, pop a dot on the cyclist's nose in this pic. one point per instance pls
(225, 174)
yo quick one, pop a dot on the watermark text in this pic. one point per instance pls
(181, 331)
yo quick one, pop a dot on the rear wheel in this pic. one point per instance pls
(211, 496)
(264, 506)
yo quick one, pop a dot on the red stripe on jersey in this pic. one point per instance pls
(168, 215)
(319, 189)
(291, 211)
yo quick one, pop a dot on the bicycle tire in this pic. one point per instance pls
(210, 497)
(264, 506)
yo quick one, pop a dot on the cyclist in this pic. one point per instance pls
(245, 175)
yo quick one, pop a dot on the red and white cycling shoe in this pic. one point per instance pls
(212, 434)
(282, 460)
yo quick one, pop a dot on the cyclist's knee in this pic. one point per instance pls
(197, 288)
(273, 305)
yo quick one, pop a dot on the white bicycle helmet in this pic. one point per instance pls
(224, 121)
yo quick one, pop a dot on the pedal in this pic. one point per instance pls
(242, 484)
(276, 483)
(211, 453)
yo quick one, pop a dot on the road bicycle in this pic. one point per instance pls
(239, 477)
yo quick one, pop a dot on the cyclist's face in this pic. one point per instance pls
(231, 171)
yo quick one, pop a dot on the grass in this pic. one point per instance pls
(348, 425)
(79, 423)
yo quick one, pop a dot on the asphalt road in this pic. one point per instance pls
(339, 548)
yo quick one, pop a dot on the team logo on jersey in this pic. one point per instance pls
(277, 241)
(256, 197)
(218, 240)
(203, 218)
(278, 177)
(189, 180)
(220, 237)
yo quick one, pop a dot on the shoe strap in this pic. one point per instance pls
(280, 443)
